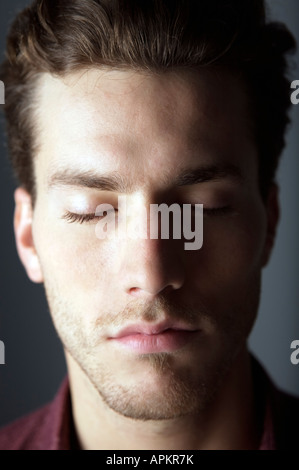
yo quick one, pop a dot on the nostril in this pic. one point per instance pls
(134, 291)
(137, 291)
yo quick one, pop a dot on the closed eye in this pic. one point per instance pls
(72, 217)
(214, 211)
(211, 211)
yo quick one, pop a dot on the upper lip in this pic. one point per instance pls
(148, 329)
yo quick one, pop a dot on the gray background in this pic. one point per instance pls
(34, 359)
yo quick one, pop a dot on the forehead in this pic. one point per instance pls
(143, 123)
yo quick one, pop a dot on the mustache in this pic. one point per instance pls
(154, 312)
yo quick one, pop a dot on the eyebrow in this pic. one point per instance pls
(89, 179)
(210, 173)
(114, 182)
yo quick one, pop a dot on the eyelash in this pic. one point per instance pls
(71, 217)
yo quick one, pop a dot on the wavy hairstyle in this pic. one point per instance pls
(62, 36)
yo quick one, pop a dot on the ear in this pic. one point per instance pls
(23, 233)
(273, 215)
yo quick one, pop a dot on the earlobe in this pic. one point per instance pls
(273, 215)
(23, 218)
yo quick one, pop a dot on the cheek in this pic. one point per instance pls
(232, 252)
(225, 276)
(74, 261)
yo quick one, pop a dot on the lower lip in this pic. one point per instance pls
(167, 341)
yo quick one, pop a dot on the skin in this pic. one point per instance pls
(149, 129)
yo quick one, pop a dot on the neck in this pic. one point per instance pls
(228, 423)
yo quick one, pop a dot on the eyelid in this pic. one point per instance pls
(217, 211)
(71, 217)
(214, 210)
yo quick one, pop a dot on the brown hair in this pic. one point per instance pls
(61, 36)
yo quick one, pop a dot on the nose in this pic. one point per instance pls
(151, 266)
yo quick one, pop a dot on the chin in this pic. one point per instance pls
(161, 391)
(153, 401)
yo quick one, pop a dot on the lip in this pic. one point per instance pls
(146, 339)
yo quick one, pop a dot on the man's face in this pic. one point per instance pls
(147, 131)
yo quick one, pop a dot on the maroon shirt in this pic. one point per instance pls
(52, 428)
